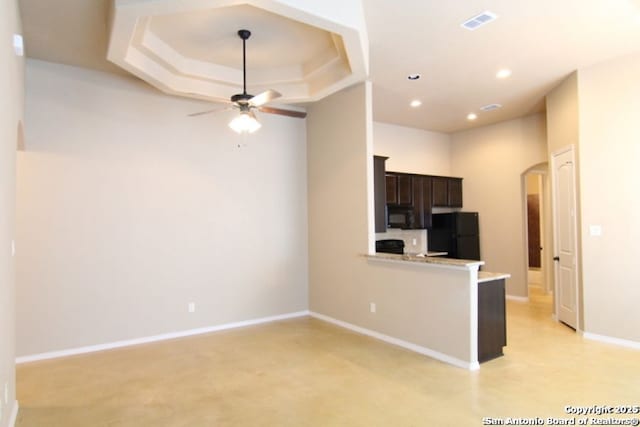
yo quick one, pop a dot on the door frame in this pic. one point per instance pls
(546, 257)
(569, 148)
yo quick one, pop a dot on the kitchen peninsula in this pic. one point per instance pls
(461, 310)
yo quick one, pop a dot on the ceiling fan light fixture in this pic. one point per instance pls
(245, 122)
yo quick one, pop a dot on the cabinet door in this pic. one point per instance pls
(422, 201)
(380, 198)
(454, 189)
(427, 201)
(439, 191)
(392, 189)
(492, 326)
(405, 190)
(418, 202)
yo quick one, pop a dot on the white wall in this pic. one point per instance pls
(609, 155)
(412, 150)
(128, 210)
(11, 107)
(492, 160)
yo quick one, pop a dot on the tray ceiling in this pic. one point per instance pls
(191, 48)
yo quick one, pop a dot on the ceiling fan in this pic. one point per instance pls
(246, 121)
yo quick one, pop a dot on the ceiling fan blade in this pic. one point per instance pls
(215, 110)
(264, 97)
(290, 113)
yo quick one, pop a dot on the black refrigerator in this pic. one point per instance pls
(456, 233)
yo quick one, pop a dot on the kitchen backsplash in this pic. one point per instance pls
(409, 237)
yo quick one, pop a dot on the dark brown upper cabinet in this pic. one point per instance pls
(391, 185)
(422, 201)
(419, 193)
(399, 189)
(446, 191)
(380, 197)
(455, 192)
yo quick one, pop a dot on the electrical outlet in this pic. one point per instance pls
(192, 307)
(372, 307)
(414, 242)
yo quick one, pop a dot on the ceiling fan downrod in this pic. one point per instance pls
(244, 35)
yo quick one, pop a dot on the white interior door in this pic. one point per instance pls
(565, 242)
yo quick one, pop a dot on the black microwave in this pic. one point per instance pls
(400, 218)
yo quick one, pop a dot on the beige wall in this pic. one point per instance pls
(563, 117)
(491, 160)
(412, 150)
(562, 114)
(128, 210)
(426, 306)
(609, 155)
(11, 107)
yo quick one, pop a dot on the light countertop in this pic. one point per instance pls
(438, 259)
(425, 259)
(487, 276)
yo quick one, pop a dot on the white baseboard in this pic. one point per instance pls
(154, 338)
(515, 298)
(611, 340)
(472, 366)
(14, 414)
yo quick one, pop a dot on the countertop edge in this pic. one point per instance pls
(431, 261)
(488, 276)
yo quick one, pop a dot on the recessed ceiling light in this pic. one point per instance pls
(415, 103)
(413, 76)
(472, 116)
(503, 73)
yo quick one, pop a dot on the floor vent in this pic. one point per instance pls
(479, 20)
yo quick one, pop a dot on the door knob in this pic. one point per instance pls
(556, 258)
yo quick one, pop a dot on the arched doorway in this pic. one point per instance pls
(538, 234)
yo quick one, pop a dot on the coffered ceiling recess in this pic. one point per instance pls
(304, 49)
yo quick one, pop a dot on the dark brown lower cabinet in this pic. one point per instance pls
(492, 324)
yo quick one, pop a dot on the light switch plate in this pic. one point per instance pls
(595, 230)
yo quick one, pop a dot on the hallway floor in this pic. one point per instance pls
(305, 372)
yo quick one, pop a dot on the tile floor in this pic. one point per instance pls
(305, 372)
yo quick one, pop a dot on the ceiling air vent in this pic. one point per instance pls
(479, 20)
(491, 107)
